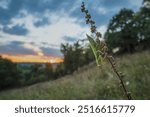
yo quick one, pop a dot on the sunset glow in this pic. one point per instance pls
(32, 58)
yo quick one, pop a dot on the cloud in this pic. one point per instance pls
(23, 48)
(135, 3)
(114, 3)
(15, 30)
(34, 48)
(51, 52)
(61, 25)
(41, 22)
(70, 39)
(4, 4)
(12, 9)
(16, 43)
(102, 10)
(15, 48)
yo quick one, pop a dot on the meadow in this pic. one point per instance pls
(93, 83)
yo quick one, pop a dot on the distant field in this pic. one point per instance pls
(91, 82)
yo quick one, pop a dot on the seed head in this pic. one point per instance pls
(87, 21)
(82, 9)
(92, 22)
(98, 34)
(97, 40)
(86, 11)
(88, 16)
(93, 29)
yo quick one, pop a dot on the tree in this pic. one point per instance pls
(144, 25)
(75, 56)
(146, 1)
(49, 70)
(59, 71)
(121, 31)
(67, 50)
(9, 74)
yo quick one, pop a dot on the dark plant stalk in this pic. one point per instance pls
(102, 49)
(120, 76)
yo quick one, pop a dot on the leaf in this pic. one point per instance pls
(97, 55)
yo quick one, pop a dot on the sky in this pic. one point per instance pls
(32, 30)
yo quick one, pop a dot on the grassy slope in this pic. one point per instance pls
(91, 82)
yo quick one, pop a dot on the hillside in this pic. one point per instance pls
(91, 82)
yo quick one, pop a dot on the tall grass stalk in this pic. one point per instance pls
(100, 50)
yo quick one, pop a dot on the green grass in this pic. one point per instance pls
(91, 82)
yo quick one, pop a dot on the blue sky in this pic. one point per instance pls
(40, 26)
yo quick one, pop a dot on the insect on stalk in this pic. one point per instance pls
(100, 50)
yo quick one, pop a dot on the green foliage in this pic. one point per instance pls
(59, 71)
(146, 1)
(129, 31)
(144, 23)
(121, 31)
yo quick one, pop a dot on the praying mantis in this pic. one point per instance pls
(98, 50)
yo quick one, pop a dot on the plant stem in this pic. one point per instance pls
(103, 49)
(112, 62)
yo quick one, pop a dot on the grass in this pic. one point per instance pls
(91, 82)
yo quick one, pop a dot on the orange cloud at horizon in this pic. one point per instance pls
(32, 58)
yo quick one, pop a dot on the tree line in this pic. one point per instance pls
(13, 75)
